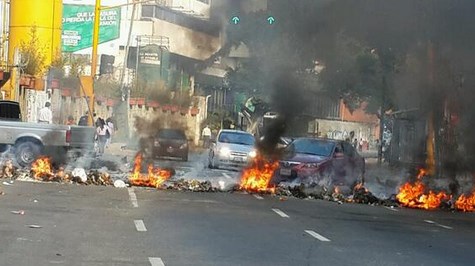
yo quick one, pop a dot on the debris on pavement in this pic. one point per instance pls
(120, 184)
(191, 185)
(7, 183)
(79, 175)
(7, 169)
(19, 212)
(154, 177)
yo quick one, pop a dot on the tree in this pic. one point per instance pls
(33, 54)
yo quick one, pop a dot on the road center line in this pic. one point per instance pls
(227, 176)
(140, 226)
(156, 261)
(258, 197)
(133, 197)
(281, 213)
(317, 236)
(440, 225)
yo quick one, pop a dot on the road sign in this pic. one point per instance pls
(271, 20)
(235, 20)
(77, 25)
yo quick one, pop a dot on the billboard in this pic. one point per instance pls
(78, 25)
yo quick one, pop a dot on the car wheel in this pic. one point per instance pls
(27, 152)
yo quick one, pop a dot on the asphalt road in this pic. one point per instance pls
(90, 225)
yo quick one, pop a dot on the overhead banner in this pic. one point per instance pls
(78, 23)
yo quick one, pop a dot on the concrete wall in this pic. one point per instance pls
(341, 130)
(191, 124)
(62, 107)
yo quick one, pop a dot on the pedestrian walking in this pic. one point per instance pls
(111, 130)
(206, 134)
(45, 116)
(101, 132)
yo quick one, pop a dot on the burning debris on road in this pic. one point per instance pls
(257, 176)
(155, 177)
(417, 195)
(42, 170)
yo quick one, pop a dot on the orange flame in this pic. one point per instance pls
(414, 194)
(42, 168)
(257, 176)
(466, 203)
(154, 178)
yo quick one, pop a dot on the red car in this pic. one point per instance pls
(322, 161)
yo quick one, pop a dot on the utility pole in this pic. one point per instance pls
(88, 81)
(381, 119)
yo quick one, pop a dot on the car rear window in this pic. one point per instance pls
(171, 134)
(9, 111)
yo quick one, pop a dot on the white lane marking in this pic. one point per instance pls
(391, 209)
(258, 197)
(140, 226)
(156, 261)
(441, 225)
(317, 236)
(227, 176)
(133, 197)
(281, 213)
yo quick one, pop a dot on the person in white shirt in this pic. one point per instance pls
(45, 116)
(206, 136)
(102, 132)
(110, 125)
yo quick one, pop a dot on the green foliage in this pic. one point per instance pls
(107, 88)
(33, 54)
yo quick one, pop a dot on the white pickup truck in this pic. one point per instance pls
(31, 140)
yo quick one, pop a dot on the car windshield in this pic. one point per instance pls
(171, 134)
(236, 138)
(312, 147)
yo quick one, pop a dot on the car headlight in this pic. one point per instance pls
(252, 154)
(225, 151)
(311, 165)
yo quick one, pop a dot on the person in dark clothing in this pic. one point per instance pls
(84, 119)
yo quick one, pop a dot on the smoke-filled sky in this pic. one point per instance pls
(424, 49)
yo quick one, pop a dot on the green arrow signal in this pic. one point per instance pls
(271, 20)
(235, 20)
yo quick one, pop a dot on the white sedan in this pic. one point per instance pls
(231, 148)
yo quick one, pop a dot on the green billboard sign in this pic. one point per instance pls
(78, 25)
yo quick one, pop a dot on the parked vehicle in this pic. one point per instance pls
(231, 148)
(333, 161)
(31, 140)
(171, 143)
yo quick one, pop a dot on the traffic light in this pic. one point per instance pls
(107, 64)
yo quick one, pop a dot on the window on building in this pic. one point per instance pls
(148, 11)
